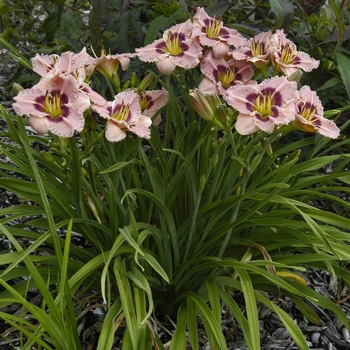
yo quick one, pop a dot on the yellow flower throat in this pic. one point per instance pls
(52, 105)
(263, 105)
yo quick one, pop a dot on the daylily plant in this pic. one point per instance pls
(175, 223)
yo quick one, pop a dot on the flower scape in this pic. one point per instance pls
(177, 217)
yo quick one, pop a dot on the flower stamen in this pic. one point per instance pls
(258, 49)
(214, 28)
(121, 112)
(227, 77)
(52, 104)
(288, 54)
(144, 100)
(308, 112)
(173, 45)
(263, 105)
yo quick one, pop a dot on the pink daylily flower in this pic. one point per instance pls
(212, 33)
(176, 48)
(255, 50)
(124, 114)
(68, 62)
(285, 56)
(54, 104)
(263, 106)
(309, 115)
(151, 102)
(109, 64)
(223, 73)
(94, 97)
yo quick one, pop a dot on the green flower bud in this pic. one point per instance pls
(17, 88)
(49, 158)
(296, 76)
(133, 80)
(126, 85)
(221, 114)
(146, 82)
(205, 105)
(116, 81)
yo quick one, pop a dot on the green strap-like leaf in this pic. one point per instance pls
(106, 338)
(179, 339)
(212, 327)
(192, 322)
(288, 322)
(341, 25)
(126, 298)
(284, 13)
(141, 282)
(251, 307)
(343, 67)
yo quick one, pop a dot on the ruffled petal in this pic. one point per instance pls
(244, 125)
(114, 133)
(328, 128)
(153, 52)
(38, 124)
(141, 128)
(25, 102)
(65, 126)
(166, 66)
(43, 64)
(238, 97)
(208, 86)
(220, 49)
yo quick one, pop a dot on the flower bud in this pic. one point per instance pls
(17, 88)
(146, 82)
(133, 80)
(126, 85)
(296, 76)
(221, 114)
(201, 105)
(116, 81)
(49, 158)
(90, 121)
(205, 105)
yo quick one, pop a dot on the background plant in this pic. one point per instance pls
(174, 225)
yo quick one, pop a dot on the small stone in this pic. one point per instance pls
(315, 337)
(346, 334)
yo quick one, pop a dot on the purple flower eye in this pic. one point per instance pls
(264, 106)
